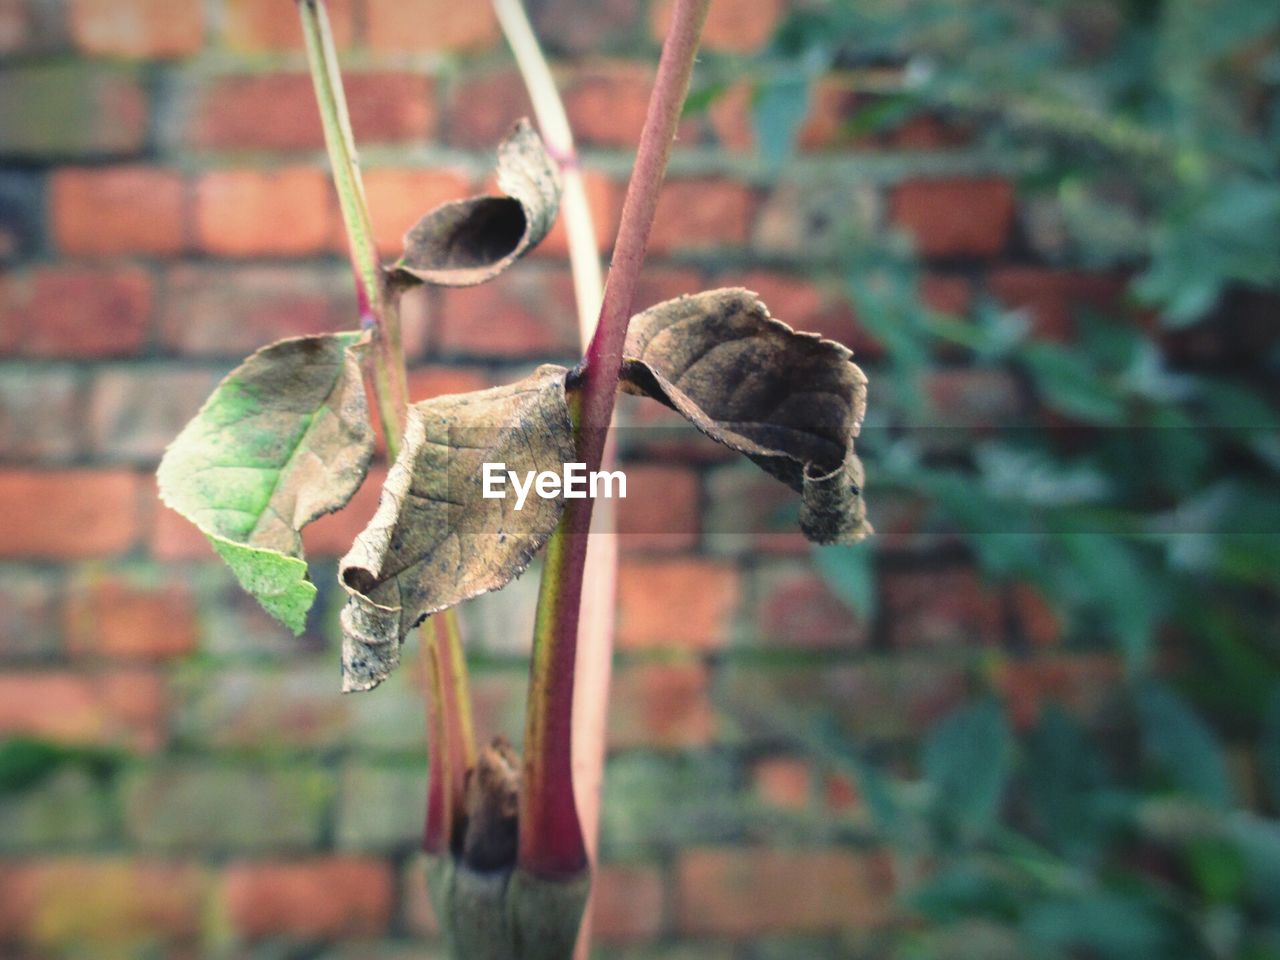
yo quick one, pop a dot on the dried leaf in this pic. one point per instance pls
(435, 540)
(790, 401)
(283, 440)
(467, 242)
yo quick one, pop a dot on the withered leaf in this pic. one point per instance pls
(467, 242)
(790, 401)
(436, 540)
(283, 440)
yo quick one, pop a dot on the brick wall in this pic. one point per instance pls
(165, 209)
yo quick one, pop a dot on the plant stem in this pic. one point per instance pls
(551, 842)
(379, 304)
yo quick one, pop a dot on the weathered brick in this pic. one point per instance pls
(22, 228)
(1052, 298)
(626, 903)
(230, 311)
(249, 26)
(68, 808)
(749, 512)
(784, 782)
(1035, 616)
(814, 217)
(733, 26)
(607, 103)
(114, 708)
(661, 509)
(501, 623)
(75, 311)
(137, 28)
(70, 513)
(750, 892)
(29, 603)
(807, 304)
(400, 196)
(31, 27)
(234, 626)
(481, 109)
(135, 413)
(677, 603)
(242, 213)
(318, 898)
(71, 110)
(277, 111)
(661, 705)
(261, 709)
(116, 210)
(585, 26)
(100, 906)
(134, 614)
(198, 807)
(950, 218)
(383, 807)
(1084, 683)
(976, 399)
(498, 697)
(40, 413)
(833, 105)
(432, 26)
(333, 534)
(604, 200)
(795, 608)
(940, 608)
(174, 537)
(524, 313)
(946, 293)
(701, 214)
(436, 381)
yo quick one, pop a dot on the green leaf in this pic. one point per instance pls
(1269, 747)
(1182, 747)
(967, 758)
(1063, 775)
(779, 111)
(283, 440)
(849, 573)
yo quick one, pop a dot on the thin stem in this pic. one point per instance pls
(551, 842)
(378, 302)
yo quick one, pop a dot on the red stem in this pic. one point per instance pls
(551, 841)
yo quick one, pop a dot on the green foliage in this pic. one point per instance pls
(25, 762)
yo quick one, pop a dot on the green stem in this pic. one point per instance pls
(551, 842)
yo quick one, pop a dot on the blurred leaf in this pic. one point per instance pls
(1063, 774)
(973, 887)
(779, 109)
(1269, 747)
(849, 573)
(1112, 578)
(1108, 926)
(966, 760)
(1070, 385)
(1182, 747)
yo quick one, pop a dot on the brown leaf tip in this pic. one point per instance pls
(492, 803)
(467, 242)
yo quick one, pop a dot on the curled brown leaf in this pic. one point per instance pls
(790, 401)
(435, 539)
(467, 242)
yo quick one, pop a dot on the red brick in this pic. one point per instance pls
(946, 293)
(659, 283)
(436, 381)
(1083, 683)
(928, 131)
(523, 313)
(675, 603)
(40, 414)
(785, 782)
(277, 111)
(626, 903)
(661, 508)
(230, 311)
(332, 535)
(841, 793)
(135, 413)
(806, 304)
(940, 608)
(604, 200)
(607, 103)
(701, 215)
(746, 892)
(70, 513)
(730, 117)
(1035, 616)
(137, 28)
(130, 618)
(62, 904)
(121, 707)
(335, 897)
(797, 609)
(30, 601)
(118, 210)
(733, 26)
(482, 108)
(399, 197)
(244, 213)
(947, 218)
(75, 311)
(1052, 297)
(174, 537)
(417, 913)
(662, 705)
(250, 26)
(87, 109)
(977, 399)
(832, 106)
(433, 26)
